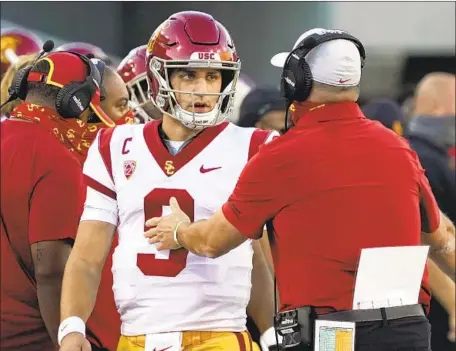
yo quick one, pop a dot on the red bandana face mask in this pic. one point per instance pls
(76, 135)
(127, 118)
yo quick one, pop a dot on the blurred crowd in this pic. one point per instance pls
(426, 119)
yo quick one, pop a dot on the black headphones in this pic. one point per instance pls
(73, 98)
(296, 82)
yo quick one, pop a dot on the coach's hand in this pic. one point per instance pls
(75, 342)
(162, 228)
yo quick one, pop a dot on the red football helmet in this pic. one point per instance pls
(86, 49)
(16, 42)
(191, 39)
(132, 69)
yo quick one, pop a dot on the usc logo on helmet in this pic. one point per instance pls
(8, 42)
(151, 43)
(156, 34)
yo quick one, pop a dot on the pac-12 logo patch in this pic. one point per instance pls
(129, 168)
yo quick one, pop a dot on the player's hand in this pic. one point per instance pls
(162, 228)
(268, 341)
(75, 342)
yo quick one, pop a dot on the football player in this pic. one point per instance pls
(7, 79)
(86, 49)
(16, 42)
(133, 71)
(171, 300)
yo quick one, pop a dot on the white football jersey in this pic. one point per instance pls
(131, 177)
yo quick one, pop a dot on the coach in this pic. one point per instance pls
(334, 184)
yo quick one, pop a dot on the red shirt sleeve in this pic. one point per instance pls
(256, 197)
(57, 202)
(430, 212)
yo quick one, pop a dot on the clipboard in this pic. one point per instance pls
(334, 336)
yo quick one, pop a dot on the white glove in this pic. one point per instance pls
(268, 340)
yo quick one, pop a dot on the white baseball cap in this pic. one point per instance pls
(335, 62)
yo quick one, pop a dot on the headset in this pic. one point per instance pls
(73, 98)
(296, 81)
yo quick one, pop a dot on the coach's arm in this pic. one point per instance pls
(256, 199)
(49, 259)
(442, 245)
(55, 207)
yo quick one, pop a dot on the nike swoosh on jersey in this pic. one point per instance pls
(205, 170)
(167, 348)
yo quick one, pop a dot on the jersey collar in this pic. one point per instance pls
(320, 113)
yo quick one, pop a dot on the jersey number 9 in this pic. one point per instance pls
(153, 207)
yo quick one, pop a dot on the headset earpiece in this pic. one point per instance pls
(297, 81)
(75, 98)
(19, 84)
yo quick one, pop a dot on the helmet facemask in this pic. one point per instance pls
(165, 99)
(137, 88)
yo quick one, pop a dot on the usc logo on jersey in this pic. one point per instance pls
(169, 167)
(8, 43)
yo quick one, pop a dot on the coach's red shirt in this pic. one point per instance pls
(334, 184)
(35, 168)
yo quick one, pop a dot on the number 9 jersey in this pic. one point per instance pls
(130, 177)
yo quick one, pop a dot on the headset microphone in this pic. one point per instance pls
(47, 47)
